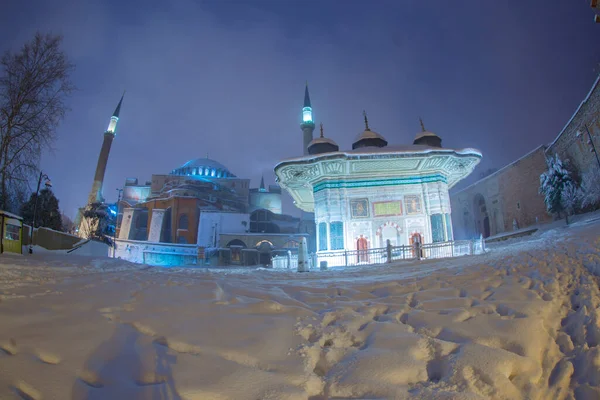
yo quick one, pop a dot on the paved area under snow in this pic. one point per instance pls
(522, 322)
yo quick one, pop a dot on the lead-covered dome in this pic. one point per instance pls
(368, 138)
(322, 145)
(203, 167)
(427, 138)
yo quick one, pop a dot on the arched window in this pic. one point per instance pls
(183, 221)
(322, 236)
(336, 235)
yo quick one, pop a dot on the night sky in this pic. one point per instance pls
(227, 78)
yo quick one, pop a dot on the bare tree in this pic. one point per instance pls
(34, 83)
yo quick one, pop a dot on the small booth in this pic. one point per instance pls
(11, 233)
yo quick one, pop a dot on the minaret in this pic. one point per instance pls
(262, 184)
(96, 192)
(308, 125)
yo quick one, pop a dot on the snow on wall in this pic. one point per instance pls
(163, 254)
(156, 225)
(126, 223)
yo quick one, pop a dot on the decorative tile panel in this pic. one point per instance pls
(384, 165)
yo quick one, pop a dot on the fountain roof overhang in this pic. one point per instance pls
(302, 176)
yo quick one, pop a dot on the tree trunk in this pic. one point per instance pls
(4, 172)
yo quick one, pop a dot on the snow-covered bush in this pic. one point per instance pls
(553, 183)
(570, 197)
(590, 188)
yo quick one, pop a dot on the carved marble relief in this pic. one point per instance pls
(333, 167)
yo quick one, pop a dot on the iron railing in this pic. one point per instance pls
(383, 255)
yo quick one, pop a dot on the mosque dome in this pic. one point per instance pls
(322, 145)
(368, 138)
(203, 167)
(427, 138)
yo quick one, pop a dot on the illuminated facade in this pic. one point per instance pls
(373, 193)
(168, 208)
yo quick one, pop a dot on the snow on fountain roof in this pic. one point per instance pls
(397, 149)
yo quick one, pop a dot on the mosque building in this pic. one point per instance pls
(204, 205)
(374, 192)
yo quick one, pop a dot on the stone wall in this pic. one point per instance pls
(503, 201)
(511, 194)
(576, 149)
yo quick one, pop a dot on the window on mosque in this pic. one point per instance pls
(183, 221)
(322, 236)
(141, 221)
(336, 235)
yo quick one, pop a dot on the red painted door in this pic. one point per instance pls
(362, 254)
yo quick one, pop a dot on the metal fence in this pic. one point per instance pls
(346, 258)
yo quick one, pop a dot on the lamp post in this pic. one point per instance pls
(116, 222)
(37, 196)
(590, 142)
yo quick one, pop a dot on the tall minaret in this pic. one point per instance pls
(308, 125)
(96, 192)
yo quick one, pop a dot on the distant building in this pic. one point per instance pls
(261, 198)
(201, 204)
(168, 209)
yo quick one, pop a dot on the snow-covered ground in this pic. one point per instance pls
(521, 322)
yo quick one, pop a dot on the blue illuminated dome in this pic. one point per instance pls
(204, 167)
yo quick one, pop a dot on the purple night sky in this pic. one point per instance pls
(227, 78)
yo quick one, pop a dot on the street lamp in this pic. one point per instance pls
(590, 142)
(48, 185)
(116, 222)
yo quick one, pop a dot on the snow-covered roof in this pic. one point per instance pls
(576, 111)
(11, 215)
(203, 163)
(408, 149)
